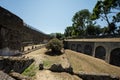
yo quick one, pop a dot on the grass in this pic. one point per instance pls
(47, 63)
(78, 61)
(49, 60)
(89, 64)
(31, 70)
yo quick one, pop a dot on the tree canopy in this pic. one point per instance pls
(83, 20)
(105, 7)
(80, 21)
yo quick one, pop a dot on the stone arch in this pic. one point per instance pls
(100, 52)
(115, 57)
(79, 48)
(73, 47)
(88, 49)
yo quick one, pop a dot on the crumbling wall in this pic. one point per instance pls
(95, 76)
(16, 64)
(4, 76)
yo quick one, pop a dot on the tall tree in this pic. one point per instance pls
(80, 21)
(59, 35)
(105, 7)
(68, 31)
(93, 30)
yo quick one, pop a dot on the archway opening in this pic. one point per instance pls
(88, 50)
(79, 48)
(115, 57)
(100, 52)
(73, 47)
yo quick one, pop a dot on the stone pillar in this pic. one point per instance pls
(107, 57)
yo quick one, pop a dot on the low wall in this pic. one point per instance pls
(8, 52)
(94, 76)
(33, 49)
(17, 64)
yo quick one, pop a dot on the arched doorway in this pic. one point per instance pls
(115, 57)
(79, 48)
(100, 52)
(88, 50)
(73, 47)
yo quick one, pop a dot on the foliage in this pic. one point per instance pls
(81, 20)
(93, 30)
(47, 63)
(117, 17)
(55, 45)
(52, 35)
(59, 36)
(105, 7)
(31, 70)
(69, 31)
(105, 30)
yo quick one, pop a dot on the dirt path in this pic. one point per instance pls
(48, 75)
(40, 57)
(78, 61)
(37, 55)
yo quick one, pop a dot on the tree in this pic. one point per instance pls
(55, 45)
(68, 31)
(105, 7)
(90, 30)
(116, 18)
(59, 35)
(93, 30)
(80, 21)
(105, 30)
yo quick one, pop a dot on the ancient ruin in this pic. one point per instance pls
(15, 34)
(106, 49)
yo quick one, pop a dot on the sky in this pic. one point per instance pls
(48, 16)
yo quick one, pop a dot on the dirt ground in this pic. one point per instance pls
(48, 75)
(79, 62)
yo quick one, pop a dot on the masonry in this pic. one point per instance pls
(107, 49)
(15, 34)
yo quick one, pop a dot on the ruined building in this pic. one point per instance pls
(15, 34)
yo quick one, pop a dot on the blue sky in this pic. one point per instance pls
(49, 16)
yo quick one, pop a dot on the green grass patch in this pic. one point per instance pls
(47, 63)
(31, 70)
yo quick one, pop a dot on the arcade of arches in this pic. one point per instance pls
(115, 57)
(100, 52)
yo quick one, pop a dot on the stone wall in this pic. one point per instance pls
(95, 76)
(99, 49)
(16, 64)
(15, 34)
(4, 76)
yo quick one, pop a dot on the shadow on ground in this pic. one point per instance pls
(51, 53)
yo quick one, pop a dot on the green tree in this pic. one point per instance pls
(80, 21)
(55, 45)
(69, 31)
(59, 35)
(103, 8)
(105, 30)
(116, 18)
(93, 30)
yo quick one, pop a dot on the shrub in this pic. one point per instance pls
(55, 45)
